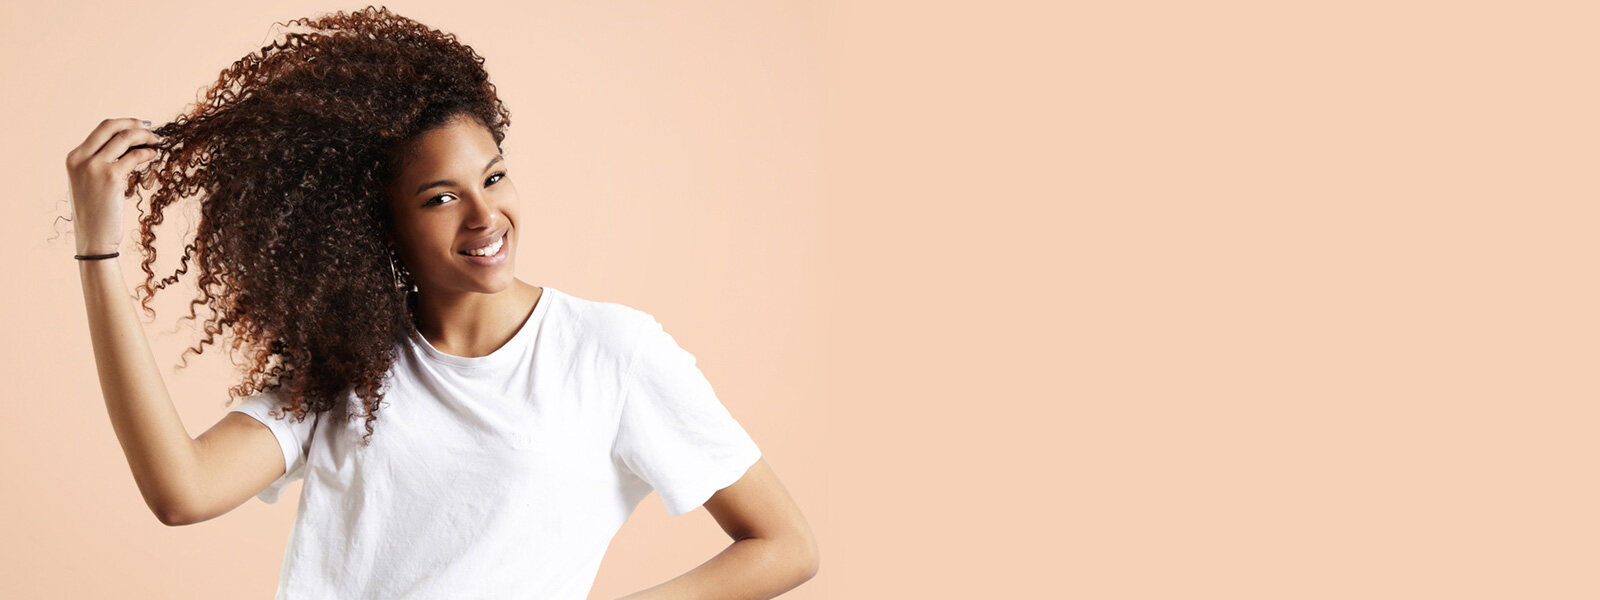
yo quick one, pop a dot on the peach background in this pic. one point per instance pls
(1166, 300)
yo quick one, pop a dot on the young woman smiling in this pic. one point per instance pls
(359, 232)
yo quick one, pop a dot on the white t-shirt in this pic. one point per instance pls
(506, 475)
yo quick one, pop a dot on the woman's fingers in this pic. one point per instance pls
(97, 138)
(124, 139)
(135, 157)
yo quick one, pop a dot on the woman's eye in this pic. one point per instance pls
(493, 179)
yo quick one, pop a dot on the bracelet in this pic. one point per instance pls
(94, 256)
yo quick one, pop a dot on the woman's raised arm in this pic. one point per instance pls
(165, 460)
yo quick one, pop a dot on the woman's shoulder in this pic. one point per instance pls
(612, 325)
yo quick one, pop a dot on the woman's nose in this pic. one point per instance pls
(484, 213)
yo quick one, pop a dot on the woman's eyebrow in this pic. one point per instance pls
(440, 182)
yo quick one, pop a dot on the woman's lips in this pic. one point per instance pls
(491, 242)
(494, 259)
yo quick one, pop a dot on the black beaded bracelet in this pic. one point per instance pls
(94, 256)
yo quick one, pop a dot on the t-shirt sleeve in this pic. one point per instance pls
(294, 438)
(674, 432)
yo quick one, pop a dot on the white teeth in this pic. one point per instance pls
(489, 250)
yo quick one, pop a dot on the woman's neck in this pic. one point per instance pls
(473, 324)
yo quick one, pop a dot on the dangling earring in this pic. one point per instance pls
(392, 271)
(398, 283)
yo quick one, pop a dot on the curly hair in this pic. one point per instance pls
(290, 153)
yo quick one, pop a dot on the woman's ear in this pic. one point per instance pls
(386, 226)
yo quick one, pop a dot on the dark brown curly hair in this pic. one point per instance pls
(290, 153)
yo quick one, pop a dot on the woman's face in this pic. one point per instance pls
(454, 194)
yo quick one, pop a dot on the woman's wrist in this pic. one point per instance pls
(95, 250)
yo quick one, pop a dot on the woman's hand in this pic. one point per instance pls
(97, 170)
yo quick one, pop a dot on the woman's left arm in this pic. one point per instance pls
(773, 549)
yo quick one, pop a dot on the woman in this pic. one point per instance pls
(358, 232)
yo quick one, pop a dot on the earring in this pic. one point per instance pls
(398, 283)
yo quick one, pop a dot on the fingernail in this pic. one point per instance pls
(146, 123)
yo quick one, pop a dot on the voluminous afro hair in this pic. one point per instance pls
(290, 153)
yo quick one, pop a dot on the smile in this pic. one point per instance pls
(490, 255)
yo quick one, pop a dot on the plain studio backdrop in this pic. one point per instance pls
(1070, 300)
